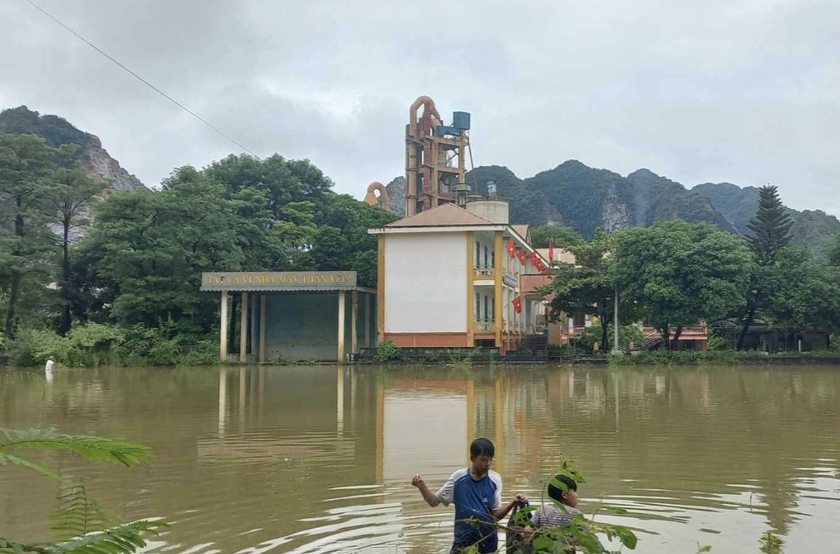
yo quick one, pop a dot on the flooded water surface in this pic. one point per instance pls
(319, 459)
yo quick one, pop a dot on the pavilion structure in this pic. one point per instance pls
(309, 315)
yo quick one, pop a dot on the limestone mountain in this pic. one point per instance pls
(813, 228)
(57, 131)
(396, 196)
(587, 198)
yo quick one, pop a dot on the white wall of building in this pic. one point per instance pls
(426, 283)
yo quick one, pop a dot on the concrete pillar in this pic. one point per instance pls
(354, 329)
(367, 321)
(380, 281)
(341, 302)
(243, 329)
(263, 303)
(223, 327)
(255, 312)
(498, 307)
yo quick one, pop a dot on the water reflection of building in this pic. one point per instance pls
(630, 432)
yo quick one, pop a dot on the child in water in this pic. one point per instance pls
(552, 515)
(476, 492)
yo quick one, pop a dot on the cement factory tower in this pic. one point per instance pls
(435, 157)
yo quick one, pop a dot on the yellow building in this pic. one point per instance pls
(451, 276)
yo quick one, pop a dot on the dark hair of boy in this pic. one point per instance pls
(556, 493)
(482, 447)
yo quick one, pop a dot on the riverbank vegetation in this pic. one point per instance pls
(95, 276)
(675, 274)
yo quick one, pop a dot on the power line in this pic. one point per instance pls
(141, 79)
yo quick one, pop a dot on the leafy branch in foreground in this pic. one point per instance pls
(76, 514)
(91, 447)
(122, 539)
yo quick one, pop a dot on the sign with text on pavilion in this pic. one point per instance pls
(279, 281)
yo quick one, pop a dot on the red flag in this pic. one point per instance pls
(523, 258)
(544, 270)
(511, 248)
(551, 251)
(517, 304)
(533, 258)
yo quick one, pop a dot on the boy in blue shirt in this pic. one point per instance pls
(476, 492)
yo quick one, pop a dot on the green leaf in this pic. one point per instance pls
(122, 539)
(93, 448)
(543, 544)
(4, 458)
(76, 514)
(626, 536)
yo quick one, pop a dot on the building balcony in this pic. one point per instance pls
(689, 332)
(484, 272)
(485, 325)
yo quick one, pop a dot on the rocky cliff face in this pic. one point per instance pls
(100, 165)
(396, 196)
(58, 131)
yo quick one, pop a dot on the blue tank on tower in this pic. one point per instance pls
(461, 120)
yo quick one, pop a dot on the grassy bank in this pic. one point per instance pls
(723, 358)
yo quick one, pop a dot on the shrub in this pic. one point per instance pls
(88, 344)
(95, 344)
(205, 353)
(387, 351)
(592, 336)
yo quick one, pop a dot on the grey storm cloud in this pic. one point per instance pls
(741, 91)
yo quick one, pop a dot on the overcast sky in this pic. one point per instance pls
(744, 91)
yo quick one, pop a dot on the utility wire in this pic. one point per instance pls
(141, 79)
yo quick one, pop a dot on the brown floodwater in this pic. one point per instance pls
(318, 459)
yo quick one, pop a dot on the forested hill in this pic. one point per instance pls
(57, 131)
(587, 198)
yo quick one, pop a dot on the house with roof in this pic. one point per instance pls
(452, 276)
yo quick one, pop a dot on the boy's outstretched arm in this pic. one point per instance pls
(501, 512)
(430, 498)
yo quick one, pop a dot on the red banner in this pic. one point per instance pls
(517, 304)
(511, 248)
(523, 258)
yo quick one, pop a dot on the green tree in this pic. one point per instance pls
(562, 236)
(588, 286)
(770, 226)
(343, 242)
(26, 168)
(803, 293)
(283, 180)
(680, 273)
(834, 255)
(150, 247)
(71, 200)
(771, 232)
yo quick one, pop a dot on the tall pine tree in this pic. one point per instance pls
(771, 232)
(770, 225)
